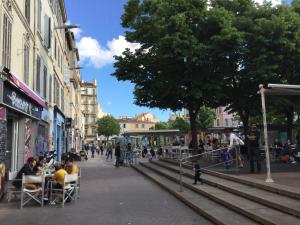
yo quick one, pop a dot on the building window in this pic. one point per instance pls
(226, 122)
(55, 48)
(62, 99)
(26, 64)
(136, 125)
(38, 74)
(27, 10)
(218, 122)
(143, 125)
(47, 32)
(56, 87)
(45, 82)
(50, 88)
(39, 16)
(6, 47)
(124, 125)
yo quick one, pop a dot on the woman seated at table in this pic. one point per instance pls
(71, 167)
(27, 169)
(59, 176)
(40, 164)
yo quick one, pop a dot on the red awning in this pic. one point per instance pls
(23, 87)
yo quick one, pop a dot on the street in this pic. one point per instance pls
(108, 196)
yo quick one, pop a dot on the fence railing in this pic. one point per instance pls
(182, 162)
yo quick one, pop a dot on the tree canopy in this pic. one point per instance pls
(108, 126)
(214, 53)
(180, 124)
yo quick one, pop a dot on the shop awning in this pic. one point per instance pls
(24, 88)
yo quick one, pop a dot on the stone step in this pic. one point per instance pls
(271, 187)
(213, 211)
(253, 210)
(270, 199)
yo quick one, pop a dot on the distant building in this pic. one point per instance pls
(224, 118)
(184, 114)
(142, 122)
(89, 107)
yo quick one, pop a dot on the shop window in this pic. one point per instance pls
(6, 47)
(27, 10)
(26, 64)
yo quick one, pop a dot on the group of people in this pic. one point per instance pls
(35, 166)
(285, 153)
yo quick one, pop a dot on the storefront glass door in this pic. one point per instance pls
(12, 144)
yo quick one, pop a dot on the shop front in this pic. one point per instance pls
(20, 112)
(59, 134)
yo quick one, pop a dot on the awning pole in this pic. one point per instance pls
(263, 102)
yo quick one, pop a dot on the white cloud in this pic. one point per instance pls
(92, 52)
(274, 2)
(77, 32)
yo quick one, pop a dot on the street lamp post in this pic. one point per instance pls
(263, 102)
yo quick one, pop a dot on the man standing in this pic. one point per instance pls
(118, 154)
(253, 146)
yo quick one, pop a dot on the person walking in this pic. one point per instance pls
(234, 146)
(197, 173)
(118, 154)
(254, 151)
(109, 152)
(101, 149)
(93, 148)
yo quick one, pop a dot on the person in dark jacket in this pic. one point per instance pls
(197, 172)
(254, 151)
(27, 169)
(118, 154)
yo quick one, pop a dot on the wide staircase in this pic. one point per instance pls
(227, 199)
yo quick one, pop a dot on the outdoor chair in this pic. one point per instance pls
(32, 190)
(68, 192)
(77, 184)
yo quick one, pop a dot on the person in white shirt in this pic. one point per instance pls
(234, 145)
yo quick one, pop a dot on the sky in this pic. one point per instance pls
(99, 38)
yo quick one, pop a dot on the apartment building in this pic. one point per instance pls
(224, 118)
(142, 122)
(89, 107)
(40, 91)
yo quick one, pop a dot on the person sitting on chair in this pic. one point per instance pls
(59, 176)
(27, 169)
(71, 167)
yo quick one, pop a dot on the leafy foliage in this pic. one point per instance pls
(181, 125)
(205, 118)
(108, 126)
(161, 126)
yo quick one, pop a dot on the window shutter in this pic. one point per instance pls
(45, 82)
(38, 74)
(50, 88)
(49, 33)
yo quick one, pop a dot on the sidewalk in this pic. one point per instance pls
(109, 196)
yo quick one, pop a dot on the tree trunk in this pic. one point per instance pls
(289, 122)
(194, 142)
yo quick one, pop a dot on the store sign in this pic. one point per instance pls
(16, 100)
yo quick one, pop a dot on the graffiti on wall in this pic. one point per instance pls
(42, 139)
(28, 123)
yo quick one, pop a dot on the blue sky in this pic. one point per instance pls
(100, 37)
(100, 24)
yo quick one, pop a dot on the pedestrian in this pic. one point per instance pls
(109, 152)
(101, 149)
(97, 149)
(197, 172)
(234, 146)
(152, 152)
(93, 148)
(253, 146)
(117, 154)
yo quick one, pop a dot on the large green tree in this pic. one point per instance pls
(180, 124)
(161, 126)
(108, 126)
(177, 63)
(205, 118)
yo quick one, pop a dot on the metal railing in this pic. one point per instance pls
(181, 162)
